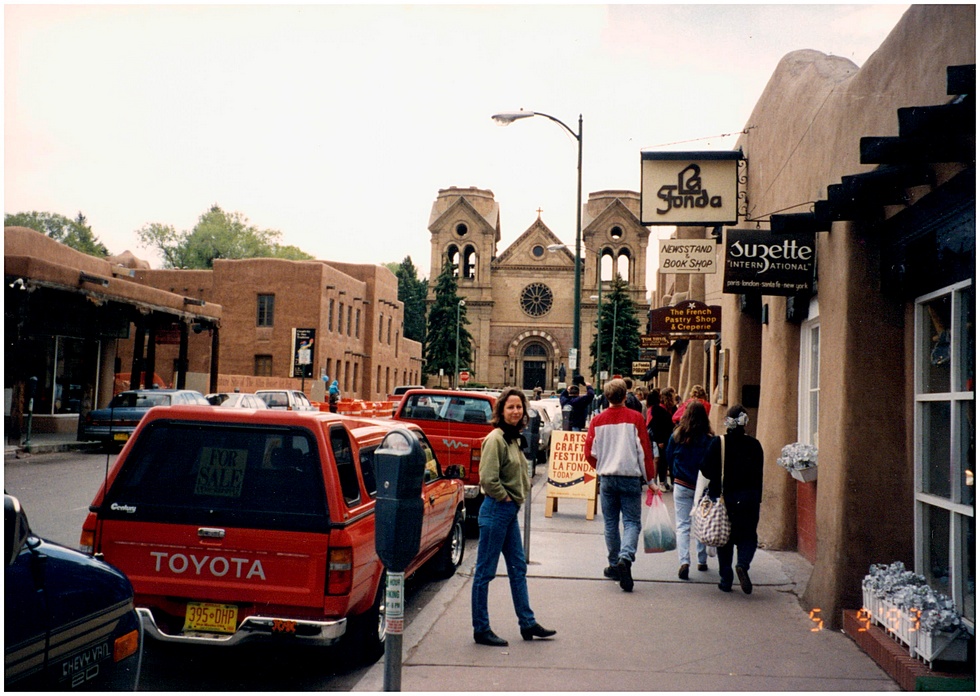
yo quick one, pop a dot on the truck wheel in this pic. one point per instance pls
(450, 556)
(364, 642)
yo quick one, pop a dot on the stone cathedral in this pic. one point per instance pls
(519, 301)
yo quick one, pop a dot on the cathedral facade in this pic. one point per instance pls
(520, 301)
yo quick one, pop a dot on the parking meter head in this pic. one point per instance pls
(399, 466)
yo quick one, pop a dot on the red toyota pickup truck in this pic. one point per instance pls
(455, 422)
(238, 524)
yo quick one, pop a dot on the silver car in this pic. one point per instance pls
(235, 400)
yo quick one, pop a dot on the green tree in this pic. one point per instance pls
(441, 345)
(620, 327)
(411, 291)
(74, 233)
(217, 235)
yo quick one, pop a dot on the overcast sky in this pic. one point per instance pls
(338, 124)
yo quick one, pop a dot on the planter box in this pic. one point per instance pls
(950, 646)
(804, 475)
(947, 645)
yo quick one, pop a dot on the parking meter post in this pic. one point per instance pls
(527, 515)
(31, 389)
(399, 466)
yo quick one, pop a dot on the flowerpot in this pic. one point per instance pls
(951, 646)
(805, 475)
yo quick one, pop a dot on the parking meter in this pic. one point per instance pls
(399, 466)
(31, 390)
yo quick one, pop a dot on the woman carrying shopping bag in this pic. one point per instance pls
(685, 450)
(743, 495)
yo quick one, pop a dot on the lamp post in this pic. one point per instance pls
(456, 375)
(507, 118)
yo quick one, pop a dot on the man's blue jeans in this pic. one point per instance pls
(683, 502)
(621, 495)
(500, 534)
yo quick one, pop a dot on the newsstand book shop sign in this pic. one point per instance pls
(767, 263)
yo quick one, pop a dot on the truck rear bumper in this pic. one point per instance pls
(253, 628)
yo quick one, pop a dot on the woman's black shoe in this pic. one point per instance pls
(491, 638)
(536, 631)
(743, 579)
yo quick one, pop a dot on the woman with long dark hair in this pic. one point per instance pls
(742, 486)
(505, 481)
(685, 450)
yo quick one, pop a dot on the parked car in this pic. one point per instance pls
(544, 430)
(114, 424)
(286, 399)
(235, 400)
(69, 620)
(550, 410)
(455, 423)
(238, 525)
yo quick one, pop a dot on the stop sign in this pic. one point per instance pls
(464, 376)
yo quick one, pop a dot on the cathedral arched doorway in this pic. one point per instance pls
(534, 363)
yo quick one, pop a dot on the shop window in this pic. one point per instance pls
(809, 384)
(266, 310)
(945, 454)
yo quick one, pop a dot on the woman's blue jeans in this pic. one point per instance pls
(683, 502)
(500, 534)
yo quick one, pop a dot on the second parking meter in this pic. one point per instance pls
(399, 467)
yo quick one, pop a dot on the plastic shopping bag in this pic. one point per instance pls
(658, 530)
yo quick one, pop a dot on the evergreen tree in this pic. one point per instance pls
(620, 326)
(75, 233)
(440, 346)
(411, 291)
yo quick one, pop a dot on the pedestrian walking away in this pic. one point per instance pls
(578, 402)
(618, 447)
(742, 486)
(659, 428)
(697, 394)
(505, 481)
(685, 451)
(333, 396)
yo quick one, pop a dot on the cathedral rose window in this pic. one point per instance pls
(536, 299)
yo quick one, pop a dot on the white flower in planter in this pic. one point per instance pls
(798, 456)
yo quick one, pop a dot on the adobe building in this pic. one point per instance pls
(520, 301)
(875, 362)
(352, 309)
(67, 318)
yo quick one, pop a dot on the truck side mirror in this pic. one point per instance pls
(399, 465)
(15, 528)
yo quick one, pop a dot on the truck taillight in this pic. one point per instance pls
(87, 543)
(340, 571)
(475, 463)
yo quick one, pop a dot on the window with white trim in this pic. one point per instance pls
(808, 423)
(945, 444)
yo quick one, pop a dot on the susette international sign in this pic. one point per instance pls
(689, 188)
(769, 263)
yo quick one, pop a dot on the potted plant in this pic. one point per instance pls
(800, 460)
(906, 606)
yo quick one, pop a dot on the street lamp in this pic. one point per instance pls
(456, 376)
(505, 119)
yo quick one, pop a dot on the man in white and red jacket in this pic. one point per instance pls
(618, 447)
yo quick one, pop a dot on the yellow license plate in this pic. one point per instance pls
(216, 618)
(120, 437)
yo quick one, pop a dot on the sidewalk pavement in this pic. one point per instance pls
(45, 443)
(667, 635)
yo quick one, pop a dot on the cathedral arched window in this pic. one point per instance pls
(623, 264)
(452, 256)
(469, 262)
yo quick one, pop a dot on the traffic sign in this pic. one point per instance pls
(464, 376)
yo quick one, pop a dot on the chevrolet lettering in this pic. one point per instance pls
(243, 525)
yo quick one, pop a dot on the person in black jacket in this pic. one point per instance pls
(742, 487)
(659, 427)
